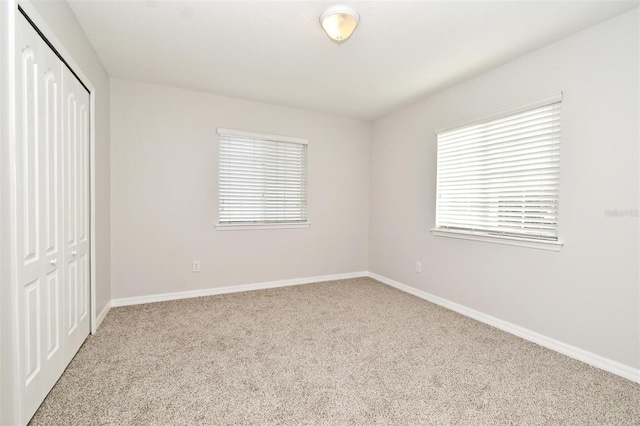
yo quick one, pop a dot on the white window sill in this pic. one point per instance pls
(512, 241)
(243, 227)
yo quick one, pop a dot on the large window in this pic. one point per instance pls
(498, 178)
(262, 180)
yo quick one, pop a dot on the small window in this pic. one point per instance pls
(262, 180)
(498, 179)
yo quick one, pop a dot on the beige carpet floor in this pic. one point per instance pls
(342, 352)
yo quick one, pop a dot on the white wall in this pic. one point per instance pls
(164, 176)
(62, 21)
(587, 295)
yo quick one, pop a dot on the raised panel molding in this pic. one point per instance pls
(83, 171)
(51, 162)
(32, 329)
(83, 277)
(30, 164)
(53, 313)
(71, 171)
(72, 296)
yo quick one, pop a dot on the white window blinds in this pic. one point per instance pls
(501, 177)
(262, 179)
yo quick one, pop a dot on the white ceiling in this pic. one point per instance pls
(276, 51)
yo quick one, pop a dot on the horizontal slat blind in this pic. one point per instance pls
(501, 177)
(262, 180)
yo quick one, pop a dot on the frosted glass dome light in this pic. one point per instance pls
(339, 22)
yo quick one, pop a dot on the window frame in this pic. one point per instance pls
(485, 236)
(263, 137)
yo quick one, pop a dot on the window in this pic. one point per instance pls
(498, 178)
(262, 180)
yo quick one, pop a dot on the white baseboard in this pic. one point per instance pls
(126, 301)
(587, 357)
(101, 316)
(590, 358)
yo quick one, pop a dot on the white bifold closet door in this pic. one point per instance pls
(52, 214)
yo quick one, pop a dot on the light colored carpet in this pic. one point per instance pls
(342, 352)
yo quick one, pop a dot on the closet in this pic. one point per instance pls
(52, 214)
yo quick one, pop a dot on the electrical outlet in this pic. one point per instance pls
(418, 267)
(196, 266)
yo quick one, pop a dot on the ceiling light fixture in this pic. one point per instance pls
(339, 22)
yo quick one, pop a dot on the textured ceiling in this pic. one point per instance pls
(276, 51)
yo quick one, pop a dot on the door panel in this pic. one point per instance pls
(38, 191)
(76, 216)
(52, 214)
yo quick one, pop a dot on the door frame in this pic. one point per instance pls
(11, 395)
